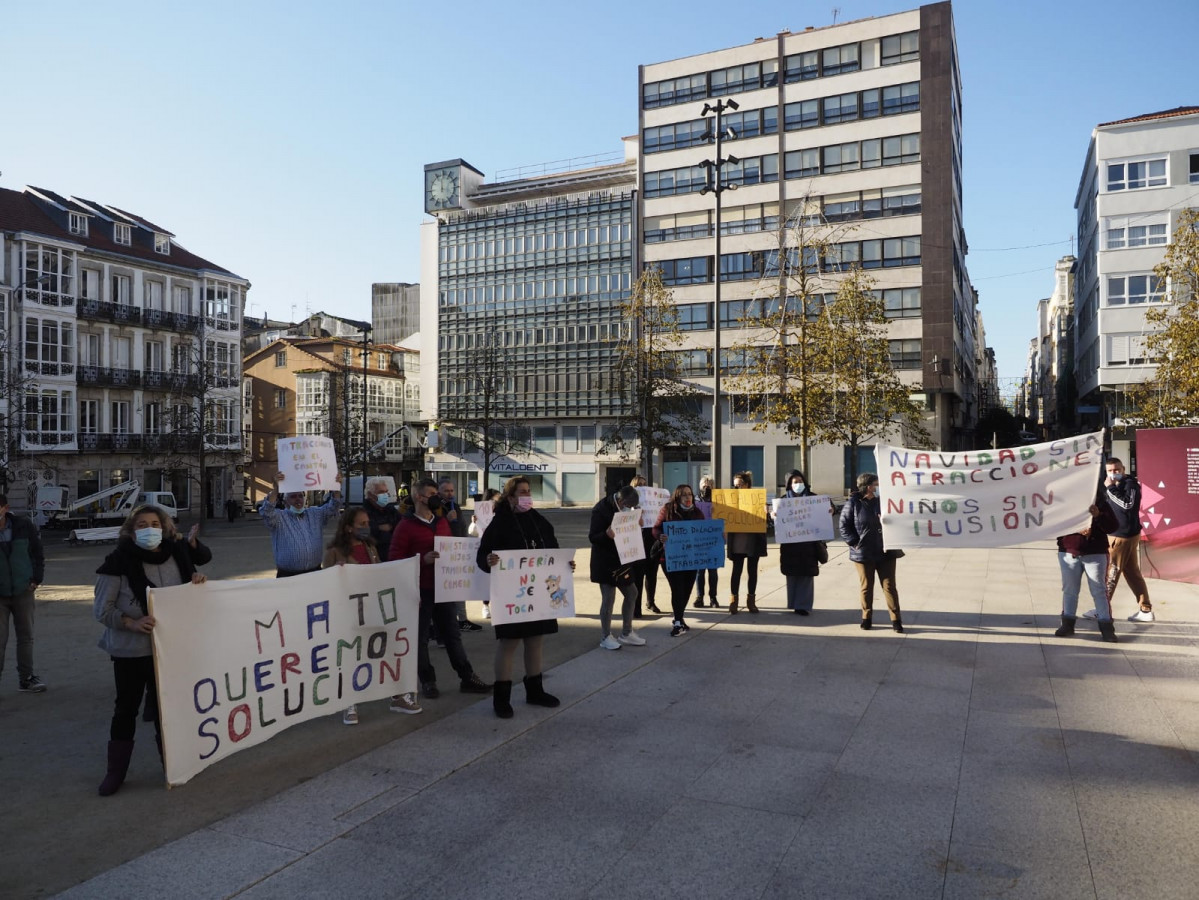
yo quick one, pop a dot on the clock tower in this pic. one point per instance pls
(448, 184)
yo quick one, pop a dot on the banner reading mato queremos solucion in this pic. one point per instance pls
(239, 661)
(988, 498)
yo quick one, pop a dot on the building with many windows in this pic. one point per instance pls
(855, 130)
(120, 352)
(395, 312)
(522, 282)
(1138, 176)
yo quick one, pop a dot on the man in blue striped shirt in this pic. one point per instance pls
(297, 531)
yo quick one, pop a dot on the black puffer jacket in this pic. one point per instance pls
(604, 557)
(862, 529)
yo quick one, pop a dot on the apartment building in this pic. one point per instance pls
(121, 355)
(1138, 176)
(856, 129)
(395, 312)
(522, 280)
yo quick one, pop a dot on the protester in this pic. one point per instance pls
(1123, 495)
(297, 538)
(861, 528)
(609, 573)
(681, 508)
(414, 537)
(22, 570)
(800, 562)
(705, 494)
(150, 553)
(452, 513)
(517, 526)
(381, 510)
(352, 545)
(745, 548)
(231, 509)
(472, 530)
(645, 574)
(1084, 553)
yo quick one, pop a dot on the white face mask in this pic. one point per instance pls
(148, 538)
(797, 485)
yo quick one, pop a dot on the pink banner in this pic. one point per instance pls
(1168, 469)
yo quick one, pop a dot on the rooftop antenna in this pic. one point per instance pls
(836, 12)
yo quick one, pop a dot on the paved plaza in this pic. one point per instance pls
(762, 756)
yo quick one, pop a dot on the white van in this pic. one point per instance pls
(164, 499)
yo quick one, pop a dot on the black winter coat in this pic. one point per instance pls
(604, 557)
(862, 529)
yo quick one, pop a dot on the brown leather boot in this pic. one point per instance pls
(733, 605)
(749, 603)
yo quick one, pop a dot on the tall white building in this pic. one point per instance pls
(1138, 176)
(858, 125)
(395, 312)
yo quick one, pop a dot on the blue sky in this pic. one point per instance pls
(286, 140)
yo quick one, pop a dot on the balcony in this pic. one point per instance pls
(159, 318)
(179, 442)
(48, 440)
(172, 382)
(45, 298)
(110, 312)
(221, 324)
(105, 375)
(49, 368)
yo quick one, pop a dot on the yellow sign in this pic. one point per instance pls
(743, 509)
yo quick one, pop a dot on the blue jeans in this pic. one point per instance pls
(1094, 567)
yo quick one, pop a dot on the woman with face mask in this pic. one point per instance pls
(150, 553)
(800, 562)
(681, 508)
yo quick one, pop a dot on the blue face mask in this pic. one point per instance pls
(1117, 476)
(148, 538)
(294, 511)
(382, 499)
(362, 533)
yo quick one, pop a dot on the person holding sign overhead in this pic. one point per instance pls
(745, 547)
(517, 526)
(680, 508)
(861, 528)
(297, 538)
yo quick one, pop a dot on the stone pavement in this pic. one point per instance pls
(773, 756)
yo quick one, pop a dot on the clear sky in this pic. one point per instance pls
(285, 140)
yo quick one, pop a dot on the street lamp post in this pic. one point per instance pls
(715, 185)
(366, 354)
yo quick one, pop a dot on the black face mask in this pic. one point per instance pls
(434, 503)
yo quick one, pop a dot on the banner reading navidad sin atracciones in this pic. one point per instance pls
(239, 661)
(987, 498)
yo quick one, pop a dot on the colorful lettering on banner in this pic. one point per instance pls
(527, 585)
(456, 576)
(484, 513)
(799, 519)
(743, 509)
(694, 544)
(626, 525)
(987, 498)
(308, 464)
(652, 500)
(239, 661)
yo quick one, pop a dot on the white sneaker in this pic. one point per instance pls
(1142, 615)
(350, 716)
(1091, 614)
(632, 639)
(486, 610)
(610, 643)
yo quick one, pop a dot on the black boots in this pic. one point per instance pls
(536, 695)
(750, 604)
(733, 605)
(1067, 628)
(1107, 631)
(501, 699)
(867, 622)
(119, 754)
(897, 625)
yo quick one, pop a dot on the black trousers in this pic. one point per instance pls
(134, 676)
(680, 591)
(445, 618)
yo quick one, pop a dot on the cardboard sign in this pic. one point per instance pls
(456, 575)
(987, 498)
(694, 544)
(527, 585)
(626, 525)
(743, 509)
(484, 513)
(308, 463)
(239, 661)
(651, 503)
(800, 519)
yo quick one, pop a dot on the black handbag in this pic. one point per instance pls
(655, 550)
(623, 575)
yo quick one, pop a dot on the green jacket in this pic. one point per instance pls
(21, 559)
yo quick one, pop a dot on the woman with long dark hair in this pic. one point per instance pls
(745, 548)
(681, 508)
(150, 553)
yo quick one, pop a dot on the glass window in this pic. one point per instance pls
(837, 60)
(802, 66)
(905, 354)
(900, 48)
(545, 438)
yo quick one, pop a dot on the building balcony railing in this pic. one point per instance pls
(45, 298)
(171, 381)
(221, 324)
(177, 442)
(48, 440)
(176, 321)
(109, 312)
(106, 375)
(49, 368)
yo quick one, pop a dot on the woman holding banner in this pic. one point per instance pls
(742, 548)
(517, 526)
(861, 528)
(150, 553)
(800, 562)
(681, 508)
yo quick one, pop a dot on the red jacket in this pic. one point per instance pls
(412, 537)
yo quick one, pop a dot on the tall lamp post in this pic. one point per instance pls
(366, 355)
(715, 185)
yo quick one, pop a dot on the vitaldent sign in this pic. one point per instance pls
(513, 467)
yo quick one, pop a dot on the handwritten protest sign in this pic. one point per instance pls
(528, 585)
(456, 576)
(798, 519)
(239, 661)
(626, 525)
(651, 503)
(484, 513)
(308, 463)
(987, 498)
(743, 509)
(694, 544)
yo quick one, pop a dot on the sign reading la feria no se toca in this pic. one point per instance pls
(988, 498)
